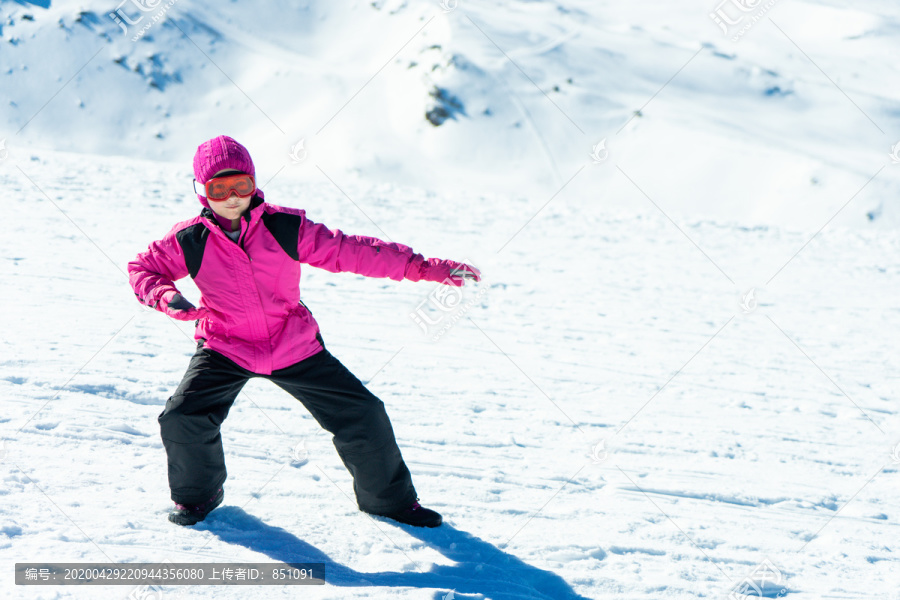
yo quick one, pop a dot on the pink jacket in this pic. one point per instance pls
(250, 308)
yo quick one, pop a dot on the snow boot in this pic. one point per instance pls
(189, 514)
(415, 515)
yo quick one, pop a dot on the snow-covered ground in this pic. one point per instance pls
(679, 366)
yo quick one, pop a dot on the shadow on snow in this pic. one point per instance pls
(483, 568)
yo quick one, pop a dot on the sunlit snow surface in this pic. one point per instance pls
(680, 364)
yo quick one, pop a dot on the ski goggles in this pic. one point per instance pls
(218, 189)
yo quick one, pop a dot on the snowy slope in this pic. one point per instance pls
(613, 413)
(749, 450)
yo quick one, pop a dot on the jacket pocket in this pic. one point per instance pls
(211, 327)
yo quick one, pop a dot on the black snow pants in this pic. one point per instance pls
(337, 400)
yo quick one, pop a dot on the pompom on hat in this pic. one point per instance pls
(218, 154)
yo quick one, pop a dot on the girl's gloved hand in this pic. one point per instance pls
(459, 275)
(448, 272)
(176, 306)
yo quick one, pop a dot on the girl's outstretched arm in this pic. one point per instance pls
(338, 252)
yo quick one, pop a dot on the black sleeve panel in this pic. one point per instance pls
(285, 228)
(193, 242)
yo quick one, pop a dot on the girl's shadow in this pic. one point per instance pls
(481, 568)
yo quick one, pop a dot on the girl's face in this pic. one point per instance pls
(232, 207)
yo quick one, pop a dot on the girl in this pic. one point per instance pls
(244, 254)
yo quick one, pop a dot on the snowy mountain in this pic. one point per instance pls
(677, 379)
(781, 126)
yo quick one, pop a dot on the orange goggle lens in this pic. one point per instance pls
(220, 188)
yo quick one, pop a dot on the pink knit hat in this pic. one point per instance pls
(218, 154)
